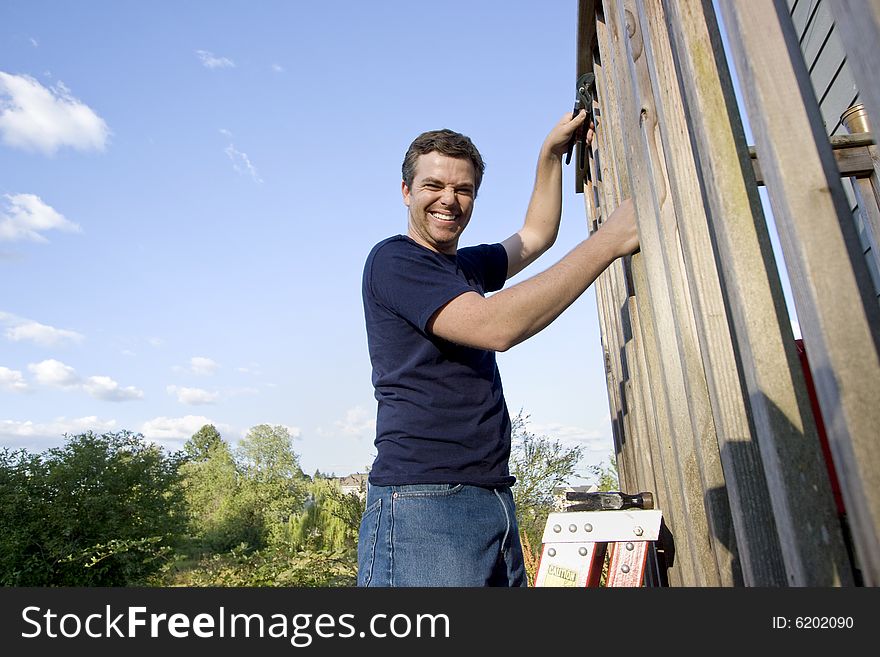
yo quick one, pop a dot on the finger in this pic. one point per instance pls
(590, 135)
(568, 117)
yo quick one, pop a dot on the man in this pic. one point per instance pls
(439, 508)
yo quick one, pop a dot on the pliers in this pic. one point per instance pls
(586, 90)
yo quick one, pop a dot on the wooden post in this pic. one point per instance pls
(657, 288)
(839, 317)
(615, 186)
(638, 393)
(751, 507)
(785, 430)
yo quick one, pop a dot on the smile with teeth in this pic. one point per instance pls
(442, 217)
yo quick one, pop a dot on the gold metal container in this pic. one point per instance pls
(855, 119)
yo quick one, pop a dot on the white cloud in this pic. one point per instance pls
(357, 423)
(19, 328)
(203, 366)
(210, 60)
(155, 342)
(54, 373)
(12, 380)
(192, 396)
(242, 163)
(176, 428)
(172, 432)
(34, 42)
(592, 440)
(14, 431)
(35, 118)
(106, 389)
(278, 68)
(26, 217)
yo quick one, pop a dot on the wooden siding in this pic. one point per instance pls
(708, 397)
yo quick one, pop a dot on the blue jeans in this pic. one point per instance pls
(439, 535)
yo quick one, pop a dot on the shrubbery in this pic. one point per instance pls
(103, 510)
(115, 510)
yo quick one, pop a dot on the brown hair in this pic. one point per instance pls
(447, 142)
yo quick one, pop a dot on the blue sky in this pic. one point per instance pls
(188, 192)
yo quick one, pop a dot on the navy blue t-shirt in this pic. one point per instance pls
(442, 417)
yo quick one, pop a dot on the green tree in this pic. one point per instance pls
(211, 483)
(539, 464)
(272, 487)
(606, 475)
(202, 443)
(281, 528)
(103, 510)
(266, 453)
(23, 502)
(329, 520)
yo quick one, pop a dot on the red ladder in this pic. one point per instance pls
(575, 542)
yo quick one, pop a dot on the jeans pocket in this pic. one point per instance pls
(367, 535)
(427, 490)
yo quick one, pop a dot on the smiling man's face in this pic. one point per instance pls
(440, 201)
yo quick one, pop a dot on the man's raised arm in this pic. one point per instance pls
(512, 315)
(541, 224)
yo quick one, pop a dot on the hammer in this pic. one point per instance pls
(608, 501)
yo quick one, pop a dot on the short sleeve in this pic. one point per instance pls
(413, 282)
(487, 264)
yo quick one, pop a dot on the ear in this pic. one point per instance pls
(405, 191)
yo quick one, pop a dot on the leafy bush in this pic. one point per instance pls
(103, 510)
(278, 565)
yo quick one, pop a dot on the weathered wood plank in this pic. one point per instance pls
(616, 186)
(663, 294)
(771, 374)
(620, 333)
(839, 318)
(870, 213)
(613, 337)
(856, 162)
(704, 431)
(620, 320)
(757, 540)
